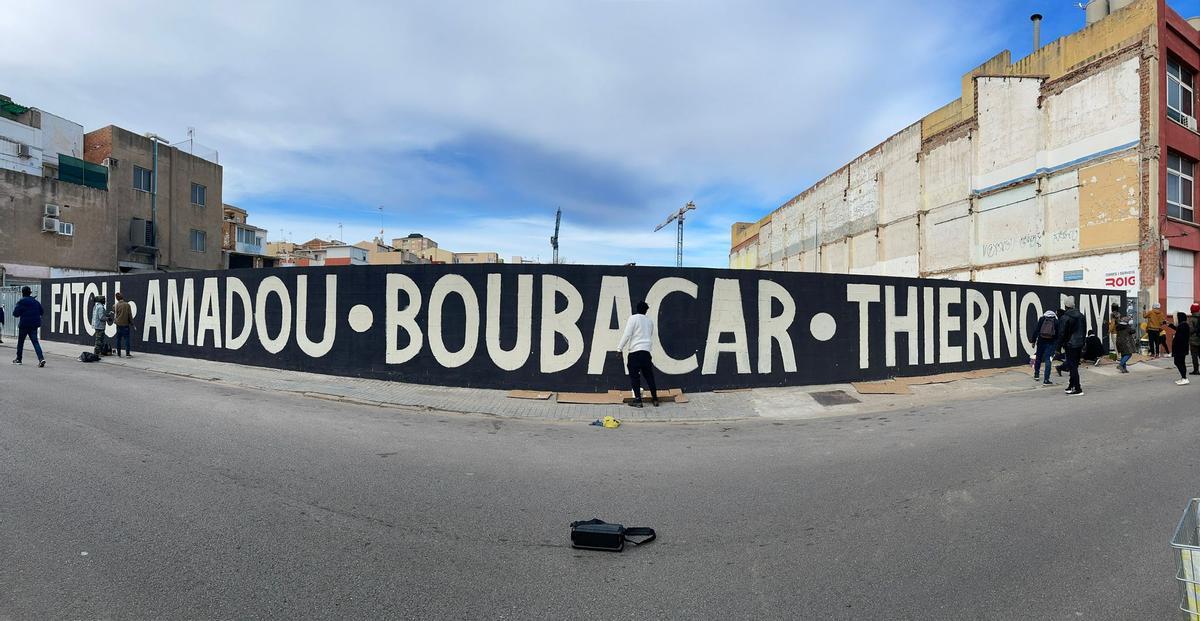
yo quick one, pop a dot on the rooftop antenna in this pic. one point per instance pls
(678, 217)
(554, 238)
(381, 224)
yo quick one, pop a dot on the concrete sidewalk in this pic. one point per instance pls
(792, 402)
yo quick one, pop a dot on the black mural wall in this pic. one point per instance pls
(554, 327)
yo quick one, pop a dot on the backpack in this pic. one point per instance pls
(88, 356)
(1049, 328)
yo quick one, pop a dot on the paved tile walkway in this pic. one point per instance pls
(783, 402)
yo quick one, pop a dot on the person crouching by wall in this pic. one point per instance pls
(1179, 346)
(99, 321)
(1093, 349)
(638, 335)
(123, 319)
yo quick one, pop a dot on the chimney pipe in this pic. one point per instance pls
(1036, 18)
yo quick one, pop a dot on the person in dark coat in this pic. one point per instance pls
(1124, 339)
(1, 323)
(1179, 346)
(29, 311)
(1073, 336)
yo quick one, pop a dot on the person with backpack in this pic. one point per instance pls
(1046, 343)
(28, 311)
(1072, 335)
(1179, 346)
(99, 322)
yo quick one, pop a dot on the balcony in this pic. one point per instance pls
(244, 248)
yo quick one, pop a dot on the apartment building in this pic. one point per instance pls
(1072, 165)
(167, 200)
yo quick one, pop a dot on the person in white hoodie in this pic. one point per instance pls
(638, 335)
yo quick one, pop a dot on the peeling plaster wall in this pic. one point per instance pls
(1043, 179)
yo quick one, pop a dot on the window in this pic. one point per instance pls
(1180, 98)
(199, 193)
(199, 240)
(247, 236)
(1180, 187)
(143, 179)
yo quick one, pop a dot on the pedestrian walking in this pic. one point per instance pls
(1155, 319)
(123, 319)
(637, 338)
(1124, 328)
(1072, 335)
(1046, 341)
(1, 323)
(1194, 338)
(99, 322)
(1179, 346)
(28, 312)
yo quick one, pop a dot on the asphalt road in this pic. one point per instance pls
(128, 494)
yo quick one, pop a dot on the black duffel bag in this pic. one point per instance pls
(596, 534)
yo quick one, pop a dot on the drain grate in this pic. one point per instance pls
(833, 397)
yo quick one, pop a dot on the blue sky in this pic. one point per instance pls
(471, 122)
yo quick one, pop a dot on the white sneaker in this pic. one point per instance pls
(1182, 382)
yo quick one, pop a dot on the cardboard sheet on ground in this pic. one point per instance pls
(530, 394)
(670, 395)
(891, 387)
(590, 398)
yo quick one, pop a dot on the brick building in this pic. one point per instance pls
(1072, 165)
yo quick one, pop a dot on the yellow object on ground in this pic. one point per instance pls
(611, 423)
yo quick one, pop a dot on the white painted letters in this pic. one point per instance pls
(564, 323)
(269, 285)
(614, 296)
(727, 317)
(453, 283)
(774, 330)
(515, 358)
(405, 318)
(864, 295)
(329, 332)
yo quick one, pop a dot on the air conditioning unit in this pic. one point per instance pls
(66, 228)
(1191, 122)
(22, 150)
(49, 225)
(51, 211)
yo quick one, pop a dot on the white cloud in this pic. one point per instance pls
(305, 96)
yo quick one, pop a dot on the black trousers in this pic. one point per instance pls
(1072, 365)
(640, 364)
(1153, 336)
(1180, 363)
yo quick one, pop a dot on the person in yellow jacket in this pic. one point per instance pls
(1155, 320)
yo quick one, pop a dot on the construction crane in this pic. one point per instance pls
(678, 218)
(554, 238)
